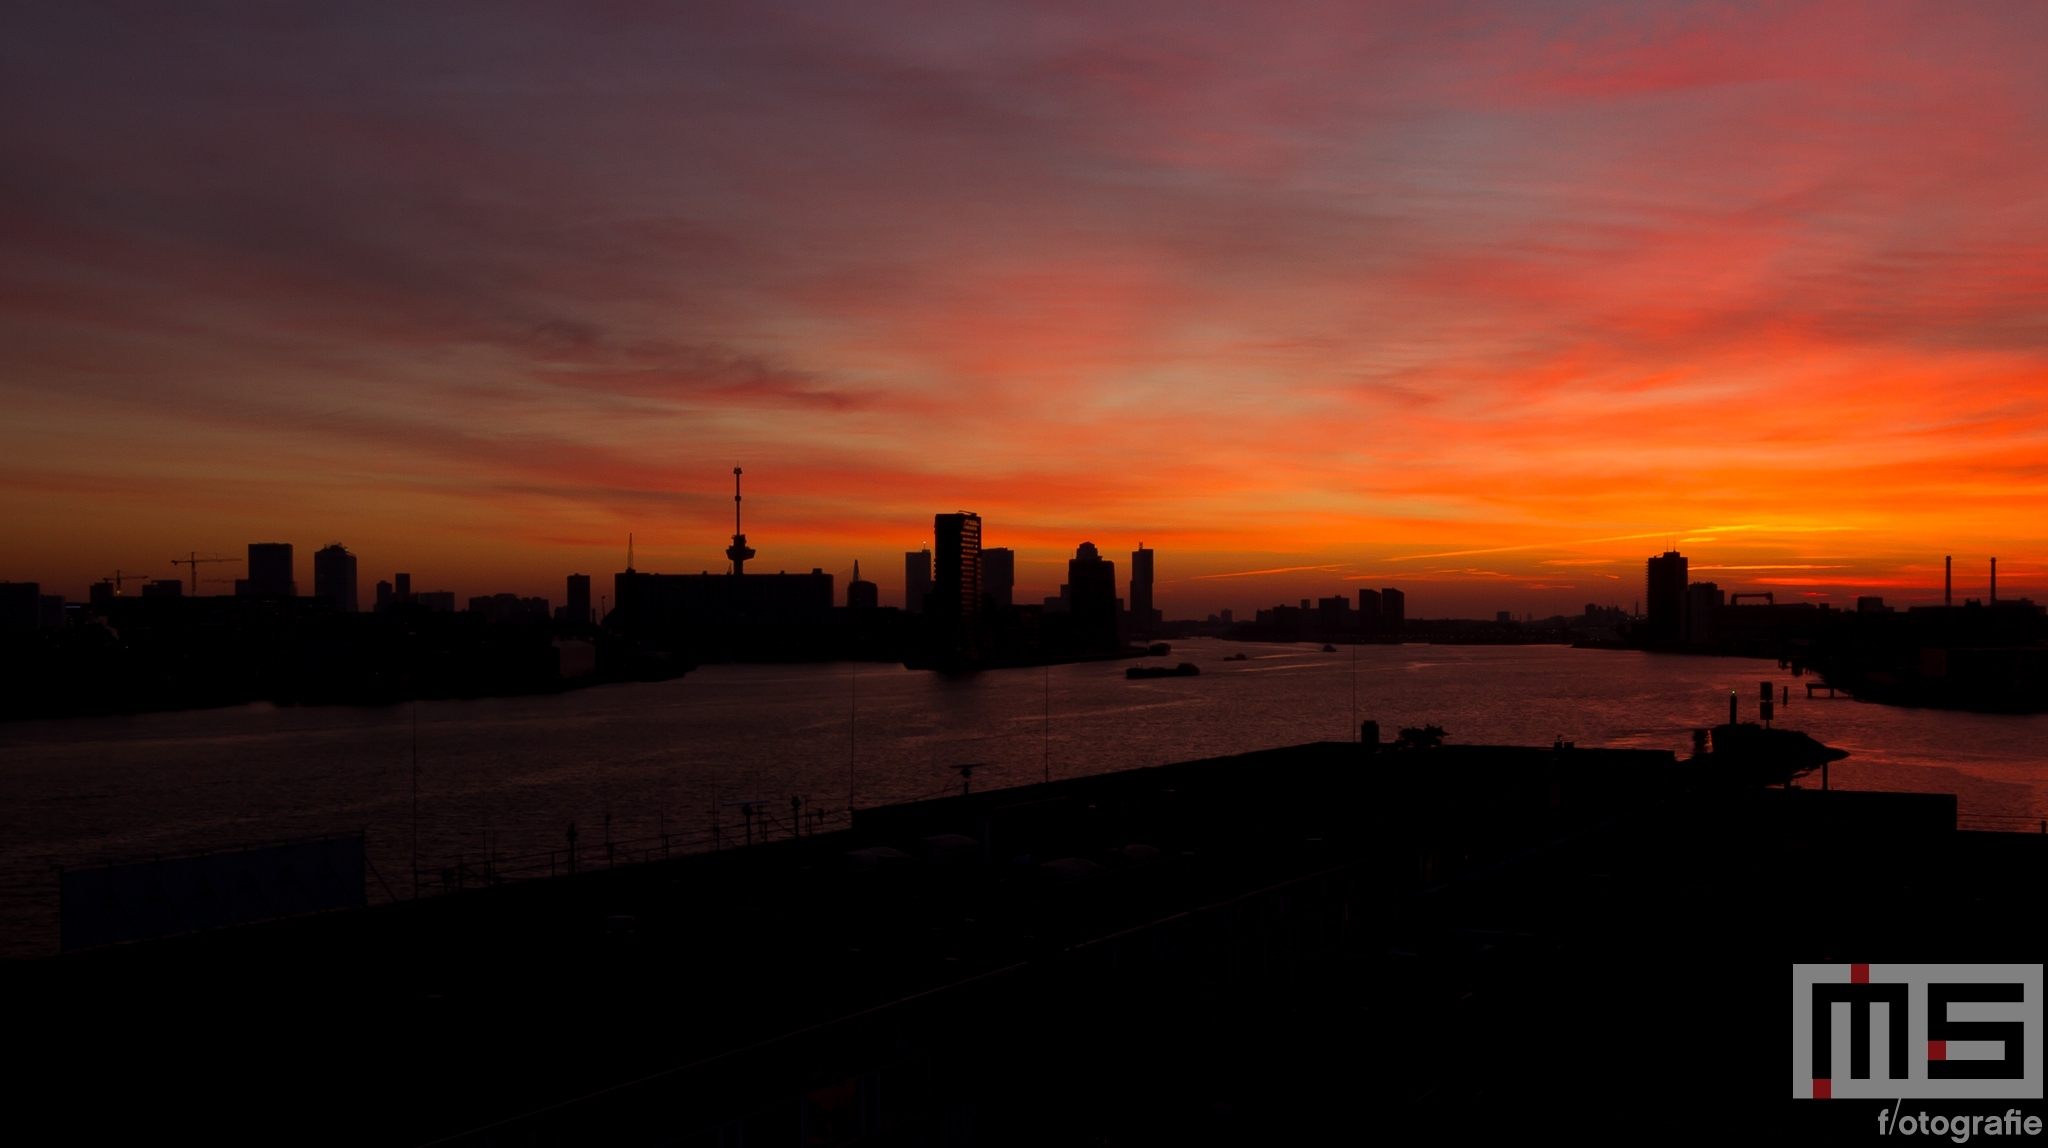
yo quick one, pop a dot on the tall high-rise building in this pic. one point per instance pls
(334, 577)
(270, 572)
(1091, 598)
(999, 575)
(1141, 590)
(577, 610)
(955, 601)
(1393, 608)
(384, 596)
(917, 579)
(1665, 592)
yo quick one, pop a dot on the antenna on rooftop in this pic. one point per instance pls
(629, 552)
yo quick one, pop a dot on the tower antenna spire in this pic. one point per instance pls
(739, 552)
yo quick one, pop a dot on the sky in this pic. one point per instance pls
(1485, 301)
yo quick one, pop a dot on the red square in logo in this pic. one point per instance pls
(1859, 974)
(1937, 1050)
(1823, 1088)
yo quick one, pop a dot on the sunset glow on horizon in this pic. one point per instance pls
(1485, 301)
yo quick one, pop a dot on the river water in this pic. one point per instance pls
(507, 776)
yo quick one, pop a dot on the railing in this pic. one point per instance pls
(2000, 823)
(483, 869)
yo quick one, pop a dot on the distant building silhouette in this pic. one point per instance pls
(954, 607)
(1091, 599)
(1393, 608)
(1143, 616)
(1369, 609)
(439, 601)
(334, 577)
(999, 575)
(1703, 602)
(385, 596)
(510, 608)
(862, 594)
(403, 589)
(1334, 614)
(163, 588)
(270, 572)
(1665, 592)
(1286, 622)
(21, 605)
(917, 579)
(576, 610)
(729, 616)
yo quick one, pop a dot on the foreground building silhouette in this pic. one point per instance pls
(1250, 949)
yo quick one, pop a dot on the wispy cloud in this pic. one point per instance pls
(1255, 573)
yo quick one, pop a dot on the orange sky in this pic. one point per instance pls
(1485, 301)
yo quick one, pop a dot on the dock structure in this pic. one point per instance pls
(1243, 949)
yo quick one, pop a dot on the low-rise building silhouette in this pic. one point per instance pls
(509, 608)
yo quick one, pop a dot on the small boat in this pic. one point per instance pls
(1238, 658)
(1328, 649)
(1184, 670)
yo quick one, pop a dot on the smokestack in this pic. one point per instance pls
(1948, 580)
(1994, 581)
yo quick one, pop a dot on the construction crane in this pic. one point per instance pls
(119, 579)
(193, 560)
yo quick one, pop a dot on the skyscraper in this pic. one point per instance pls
(334, 577)
(917, 579)
(1369, 610)
(955, 602)
(1393, 608)
(999, 575)
(1092, 599)
(1141, 589)
(270, 572)
(578, 609)
(1665, 594)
